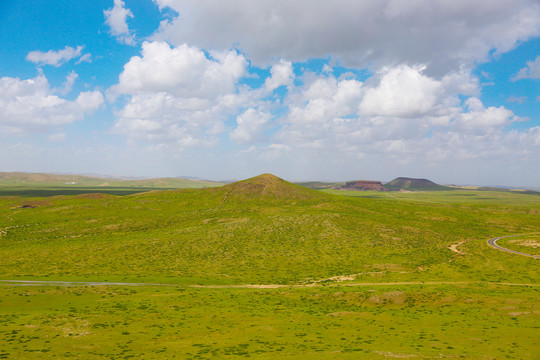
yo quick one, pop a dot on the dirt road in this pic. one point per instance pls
(244, 286)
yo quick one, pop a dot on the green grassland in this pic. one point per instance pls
(306, 323)
(365, 275)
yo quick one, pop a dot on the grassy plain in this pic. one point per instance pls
(415, 321)
(368, 275)
(40, 185)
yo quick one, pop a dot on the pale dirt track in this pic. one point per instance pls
(454, 247)
(245, 286)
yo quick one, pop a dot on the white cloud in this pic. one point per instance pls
(442, 34)
(280, 74)
(398, 113)
(68, 84)
(182, 71)
(251, 126)
(29, 106)
(179, 95)
(116, 18)
(54, 58)
(89, 101)
(402, 92)
(85, 58)
(479, 118)
(319, 111)
(531, 71)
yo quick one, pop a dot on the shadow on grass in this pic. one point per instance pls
(46, 192)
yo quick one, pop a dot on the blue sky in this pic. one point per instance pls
(308, 90)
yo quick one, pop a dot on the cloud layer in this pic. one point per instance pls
(180, 97)
(441, 34)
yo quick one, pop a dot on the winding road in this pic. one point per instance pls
(493, 243)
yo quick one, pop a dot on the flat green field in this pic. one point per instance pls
(326, 322)
(266, 269)
(40, 185)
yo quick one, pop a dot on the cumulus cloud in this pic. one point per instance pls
(178, 94)
(182, 71)
(54, 58)
(531, 71)
(441, 34)
(483, 119)
(88, 101)
(319, 111)
(403, 91)
(324, 98)
(251, 126)
(280, 74)
(30, 106)
(116, 18)
(397, 114)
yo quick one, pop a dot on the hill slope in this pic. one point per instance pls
(260, 230)
(414, 184)
(268, 186)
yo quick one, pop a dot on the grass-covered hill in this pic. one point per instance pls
(413, 184)
(260, 230)
(268, 187)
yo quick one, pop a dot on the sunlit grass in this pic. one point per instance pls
(321, 323)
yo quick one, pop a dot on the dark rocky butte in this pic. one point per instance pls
(364, 185)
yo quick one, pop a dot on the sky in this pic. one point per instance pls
(306, 89)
